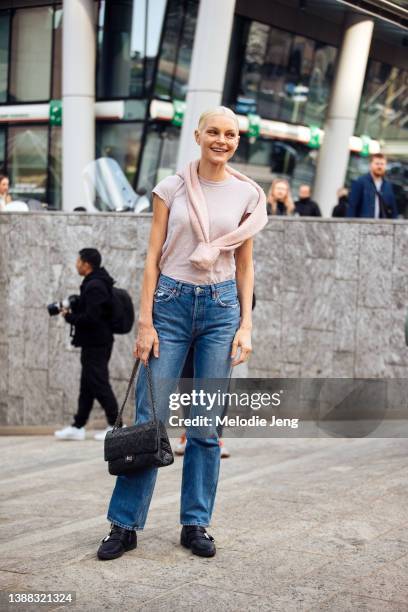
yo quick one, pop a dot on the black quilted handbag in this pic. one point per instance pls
(130, 449)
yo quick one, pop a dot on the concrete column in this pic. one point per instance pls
(207, 72)
(78, 95)
(342, 111)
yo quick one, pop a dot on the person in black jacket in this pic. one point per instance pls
(340, 210)
(91, 322)
(305, 206)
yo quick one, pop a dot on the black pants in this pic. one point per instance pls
(95, 384)
(186, 386)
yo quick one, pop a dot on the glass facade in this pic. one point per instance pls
(121, 141)
(54, 198)
(2, 149)
(144, 50)
(383, 110)
(383, 116)
(128, 42)
(4, 53)
(30, 58)
(27, 161)
(175, 55)
(266, 159)
(56, 91)
(278, 75)
(159, 154)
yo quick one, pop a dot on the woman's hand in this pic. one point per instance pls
(146, 339)
(242, 340)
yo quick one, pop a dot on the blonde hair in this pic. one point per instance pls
(288, 200)
(217, 110)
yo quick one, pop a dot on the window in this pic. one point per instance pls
(320, 83)
(4, 52)
(384, 111)
(30, 62)
(120, 68)
(175, 56)
(185, 51)
(254, 58)
(2, 149)
(278, 75)
(128, 42)
(266, 159)
(159, 155)
(274, 73)
(57, 56)
(121, 141)
(155, 17)
(55, 170)
(168, 55)
(27, 161)
(148, 165)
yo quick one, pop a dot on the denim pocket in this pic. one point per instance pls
(228, 298)
(163, 294)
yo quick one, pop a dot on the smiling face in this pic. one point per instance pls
(218, 138)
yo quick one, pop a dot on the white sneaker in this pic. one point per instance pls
(70, 433)
(100, 435)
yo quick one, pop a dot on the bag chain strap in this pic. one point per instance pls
(130, 383)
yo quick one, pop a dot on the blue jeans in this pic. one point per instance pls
(184, 315)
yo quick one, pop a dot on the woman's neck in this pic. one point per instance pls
(212, 172)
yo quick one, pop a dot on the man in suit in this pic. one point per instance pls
(372, 196)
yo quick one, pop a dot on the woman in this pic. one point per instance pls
(197, 291)
(5, 197)
(280, 200)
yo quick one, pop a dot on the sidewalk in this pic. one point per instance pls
(318, 524)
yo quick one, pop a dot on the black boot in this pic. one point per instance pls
(116, 543)
(196, 538)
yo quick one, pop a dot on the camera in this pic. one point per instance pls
(70, 303)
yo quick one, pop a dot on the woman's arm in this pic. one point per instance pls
(245, 287)
(147, 336)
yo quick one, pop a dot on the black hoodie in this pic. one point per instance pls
(93, 315)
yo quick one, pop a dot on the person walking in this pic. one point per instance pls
(197, 291)
(280, 201)
(92, 324)
(372, 196)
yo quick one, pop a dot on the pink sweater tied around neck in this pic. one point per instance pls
(207, 251)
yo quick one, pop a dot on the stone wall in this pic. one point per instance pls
(331, 302)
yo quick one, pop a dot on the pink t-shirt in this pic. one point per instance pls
(227, 202)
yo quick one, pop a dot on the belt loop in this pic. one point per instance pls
(178, 288)
(213, 292)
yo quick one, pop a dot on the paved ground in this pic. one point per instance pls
(317, 524)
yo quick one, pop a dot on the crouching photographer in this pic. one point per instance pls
(90, 316)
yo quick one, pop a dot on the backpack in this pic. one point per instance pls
(123, 313)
